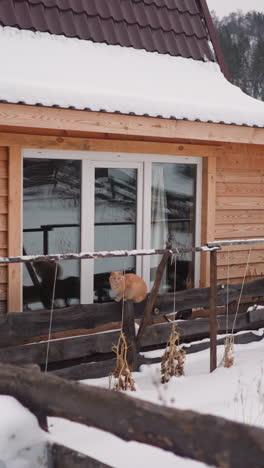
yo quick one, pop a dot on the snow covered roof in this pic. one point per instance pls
(175, 27)
(49, 70)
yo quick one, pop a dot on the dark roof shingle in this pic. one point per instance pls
(174, 27)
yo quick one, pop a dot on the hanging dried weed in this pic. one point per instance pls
(122, 373)
(173, 359)
(229, 356)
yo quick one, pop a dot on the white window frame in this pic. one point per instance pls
(141, 162)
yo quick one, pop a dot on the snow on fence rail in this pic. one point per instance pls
(102, 254)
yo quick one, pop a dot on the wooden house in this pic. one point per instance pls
(119, 129)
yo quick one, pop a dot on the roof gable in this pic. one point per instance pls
(175, 27)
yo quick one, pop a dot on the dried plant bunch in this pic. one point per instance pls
(122, 373)
(229, 356)
(173, 360)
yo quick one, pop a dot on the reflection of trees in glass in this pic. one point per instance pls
(44, 178)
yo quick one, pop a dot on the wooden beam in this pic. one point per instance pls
(210, 439)
(208, 214)
(95, 370)
(67, 119)
(17, 328)
(99, 346)
(64, 457)
(14, 227)
(96, 144)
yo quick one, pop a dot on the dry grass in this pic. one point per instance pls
(173, 360)
(229, 356)
(122, 373)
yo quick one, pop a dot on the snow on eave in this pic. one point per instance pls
(44, 69)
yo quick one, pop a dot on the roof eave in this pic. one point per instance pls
(15, 115)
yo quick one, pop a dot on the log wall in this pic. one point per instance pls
(240, 214)
(232, 205)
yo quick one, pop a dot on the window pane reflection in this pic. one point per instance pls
(115, 224)
(173, 220)
(51, 214)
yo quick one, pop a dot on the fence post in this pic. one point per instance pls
(213, 305)
(128, 328)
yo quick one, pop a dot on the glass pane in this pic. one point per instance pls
(51, 224)
(115, 224)
(173, 220)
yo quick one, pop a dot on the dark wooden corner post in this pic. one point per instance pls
(147, 318)
(213, 305)
(128, 328)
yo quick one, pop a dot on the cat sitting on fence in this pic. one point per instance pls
(129, 286)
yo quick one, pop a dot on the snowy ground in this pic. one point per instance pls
(236, 393)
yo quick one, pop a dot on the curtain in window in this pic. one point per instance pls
(159, 222)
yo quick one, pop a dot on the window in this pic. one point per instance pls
(84, 201)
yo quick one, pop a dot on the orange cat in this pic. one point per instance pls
(129, 286)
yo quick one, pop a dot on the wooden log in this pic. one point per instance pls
(95, 370)
(128, 328)
(16, 328)
(213, 305)
(88, 346)
(92, 370)
(147, 318)
(64, 457)
(209, 439)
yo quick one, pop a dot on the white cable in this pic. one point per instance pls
(241, 291)
(51, 317)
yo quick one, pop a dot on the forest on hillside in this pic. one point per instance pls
(242, 40)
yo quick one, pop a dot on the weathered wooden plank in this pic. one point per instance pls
(15, 328)
(235, 258)
(239, 217)
(210, 439)
(3, 292)
(3, 222)
(128, 328)
(102, 144)
(239, 189)
(102, 122)
(101, 343)
(3, 274)
(3, 187)
(3, 240)
(64, 457)
(240, 203)
(233, 281)
(238, 271)
(3, 169)
(224, 231)
(94, 370)
(213, 305)
(3, 154)
(3, 204)
(242, 161)
(242, 176)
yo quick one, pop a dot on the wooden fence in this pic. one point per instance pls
(209, 439)
(76, 351)
(80, 349)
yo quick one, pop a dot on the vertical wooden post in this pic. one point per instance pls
(128, 328)
(208, 215)
(14, 227)
(213, 304)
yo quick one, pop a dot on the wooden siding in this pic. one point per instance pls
(240, 215)
(3, 225)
